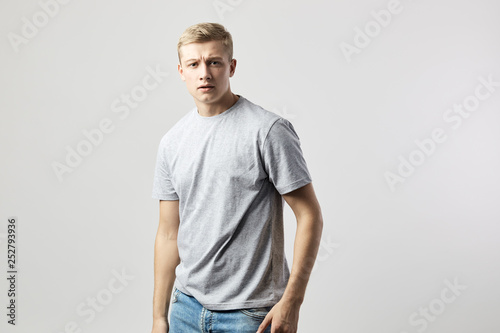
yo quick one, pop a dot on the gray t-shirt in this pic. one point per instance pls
(228, 172)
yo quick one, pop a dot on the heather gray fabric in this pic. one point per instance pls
(228, 173)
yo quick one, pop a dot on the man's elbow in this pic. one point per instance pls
(318, 224)
(312, 222)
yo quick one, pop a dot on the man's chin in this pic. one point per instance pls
(206, 98)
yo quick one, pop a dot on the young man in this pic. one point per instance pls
(222, 173)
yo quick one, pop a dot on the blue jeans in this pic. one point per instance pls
(189, 316)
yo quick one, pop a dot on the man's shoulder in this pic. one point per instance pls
(259, 115)
(177, 128)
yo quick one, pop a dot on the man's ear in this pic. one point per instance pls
(232, 67)
(181, 72)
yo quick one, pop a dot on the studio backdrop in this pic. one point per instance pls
(397, 106)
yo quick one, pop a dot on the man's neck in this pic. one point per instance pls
(210, 110)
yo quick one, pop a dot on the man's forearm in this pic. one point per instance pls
(166, 258)
(307, 240)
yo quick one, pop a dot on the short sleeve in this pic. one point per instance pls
(282, 158)
(163, 188)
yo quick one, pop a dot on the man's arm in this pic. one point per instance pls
(166, 258)
(284, 315)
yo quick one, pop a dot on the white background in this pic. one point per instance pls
(385, 255)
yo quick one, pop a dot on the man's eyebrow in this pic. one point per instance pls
(208, 58)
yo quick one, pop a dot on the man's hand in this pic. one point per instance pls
(160, 326)
(283, 317)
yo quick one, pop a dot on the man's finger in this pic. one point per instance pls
(264, 324)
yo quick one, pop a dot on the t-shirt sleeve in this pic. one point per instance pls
(283, 159)
(163, 188)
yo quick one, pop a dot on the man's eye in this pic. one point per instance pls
(214, 62)
(192, 64)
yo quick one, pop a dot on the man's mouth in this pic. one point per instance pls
(206, 87)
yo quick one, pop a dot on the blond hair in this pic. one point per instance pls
(206, 32)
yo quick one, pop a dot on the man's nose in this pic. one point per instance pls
(205, 72)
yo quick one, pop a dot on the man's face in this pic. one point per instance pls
(206, 69)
